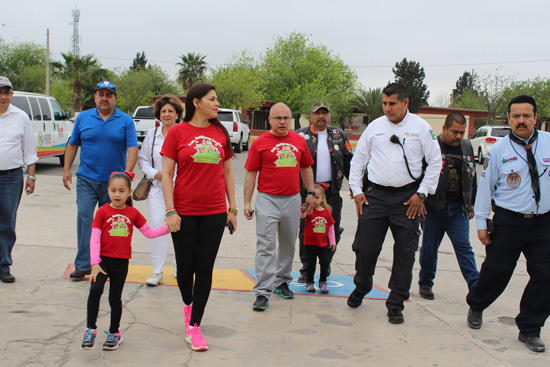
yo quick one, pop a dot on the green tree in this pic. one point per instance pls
(192, 70)
(489, 93)
(299, 73)
(238, 83)
(411, 75)
(369, 102)
(78, 69)
(466, 81)
(139, 62)
(22, 63)
(538, 88)
(61, 90)
(138, 87)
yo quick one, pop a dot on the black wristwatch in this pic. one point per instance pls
(311, 193)
(421, 195)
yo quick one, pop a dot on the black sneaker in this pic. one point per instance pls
(113, 341)
(284, 291)
(7, 277)
(79, 274)
(261, 303)
(355, 299)
(89, 339)
(395, 317)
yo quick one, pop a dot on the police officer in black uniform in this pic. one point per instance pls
(331, 152)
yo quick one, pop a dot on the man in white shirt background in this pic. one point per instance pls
(17, 148)
(391, 151)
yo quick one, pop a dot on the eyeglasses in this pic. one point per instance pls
(6, 93)
(279, 118)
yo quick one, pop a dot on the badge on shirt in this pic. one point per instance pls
(336, 147)
(513, 180)
(433, 135)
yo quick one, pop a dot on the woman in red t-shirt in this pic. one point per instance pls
(196, 207)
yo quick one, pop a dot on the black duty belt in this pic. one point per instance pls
(521, 215)
(8, 171)
(408, 187)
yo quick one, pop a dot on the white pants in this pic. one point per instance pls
(157, 211)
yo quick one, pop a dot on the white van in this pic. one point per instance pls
(50, 124)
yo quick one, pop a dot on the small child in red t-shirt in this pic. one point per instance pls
(318, 231)
(110, 251)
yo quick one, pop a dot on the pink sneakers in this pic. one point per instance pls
(187, 315)
(195, 338)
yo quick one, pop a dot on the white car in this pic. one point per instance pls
(237, 127)
(50, 124)
(485, 137)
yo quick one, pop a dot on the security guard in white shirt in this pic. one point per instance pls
(392, 149)
(516, 176)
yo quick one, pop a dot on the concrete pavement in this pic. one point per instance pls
(42, 316)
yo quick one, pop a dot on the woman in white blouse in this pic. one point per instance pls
(169, 111)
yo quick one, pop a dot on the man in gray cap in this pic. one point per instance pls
(331, 152)
(17, 148)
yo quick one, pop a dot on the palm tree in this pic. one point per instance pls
(192, 69)
(369, 102)
(78, 69)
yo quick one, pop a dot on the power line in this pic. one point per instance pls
(449, 65)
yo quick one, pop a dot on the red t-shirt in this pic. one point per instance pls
(199, 154)
(279, 159)
(117, 227)
(316, 227)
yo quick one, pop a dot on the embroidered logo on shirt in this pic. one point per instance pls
(319, 225)
(504, 160)
(208, 150)
(286, 156)
(513, 180)
(546, 160)
(119, 226)
(411, 135)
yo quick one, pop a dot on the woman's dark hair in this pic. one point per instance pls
(126, 178)
(198, 91)
(170, 99)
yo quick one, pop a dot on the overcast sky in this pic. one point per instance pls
(445, 37)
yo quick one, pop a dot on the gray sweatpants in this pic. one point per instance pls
(275, 215)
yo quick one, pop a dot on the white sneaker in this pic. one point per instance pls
(154, 279)
(175, 270)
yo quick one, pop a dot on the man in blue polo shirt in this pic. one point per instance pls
(108, 142)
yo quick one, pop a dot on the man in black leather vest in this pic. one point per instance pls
(451, 207)
(331, 152)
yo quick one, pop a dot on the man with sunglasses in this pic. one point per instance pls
(108, 141)
(280, 156)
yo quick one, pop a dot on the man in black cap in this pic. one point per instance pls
(331, 152)
(108, 140)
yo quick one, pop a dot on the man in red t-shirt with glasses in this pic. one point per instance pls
(280, 156)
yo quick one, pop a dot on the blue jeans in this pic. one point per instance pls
(88, 194)
(451, 220)
(11, 188)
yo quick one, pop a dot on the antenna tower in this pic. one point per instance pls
(75, 39)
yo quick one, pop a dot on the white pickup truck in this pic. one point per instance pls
(144, 119)
(237, 127)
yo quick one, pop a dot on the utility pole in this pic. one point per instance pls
(48, 62)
